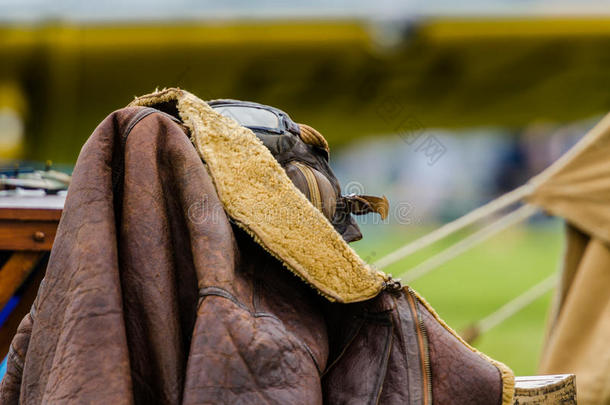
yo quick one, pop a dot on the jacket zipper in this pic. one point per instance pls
(422, 338)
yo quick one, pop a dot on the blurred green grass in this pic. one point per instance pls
(475, 284)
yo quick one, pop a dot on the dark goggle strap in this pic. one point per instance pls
(365, 204)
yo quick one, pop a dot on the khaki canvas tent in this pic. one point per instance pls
(577, 189)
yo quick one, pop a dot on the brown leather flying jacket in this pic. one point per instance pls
(155, 294)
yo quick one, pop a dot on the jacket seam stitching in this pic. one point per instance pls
(220, 292)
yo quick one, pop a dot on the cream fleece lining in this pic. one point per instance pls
(258, 194)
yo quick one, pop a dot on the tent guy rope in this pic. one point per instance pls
(508, 220)
(484, 211)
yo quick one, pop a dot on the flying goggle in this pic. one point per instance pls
(257, 117)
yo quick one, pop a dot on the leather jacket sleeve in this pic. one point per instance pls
(11, 383)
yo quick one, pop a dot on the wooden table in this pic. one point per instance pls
(28, 223)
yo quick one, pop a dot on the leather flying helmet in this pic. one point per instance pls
(304, 153)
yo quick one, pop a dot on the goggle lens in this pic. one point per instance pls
(250, 117)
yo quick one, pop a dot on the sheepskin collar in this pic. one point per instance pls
(258, 195)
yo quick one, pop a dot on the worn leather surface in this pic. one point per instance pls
(360, 342)
(11, 383)
(161, 302)
(374, 356)
(459, 376)
(153, 296)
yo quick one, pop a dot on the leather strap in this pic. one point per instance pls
(363, 204)
(312, 185)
